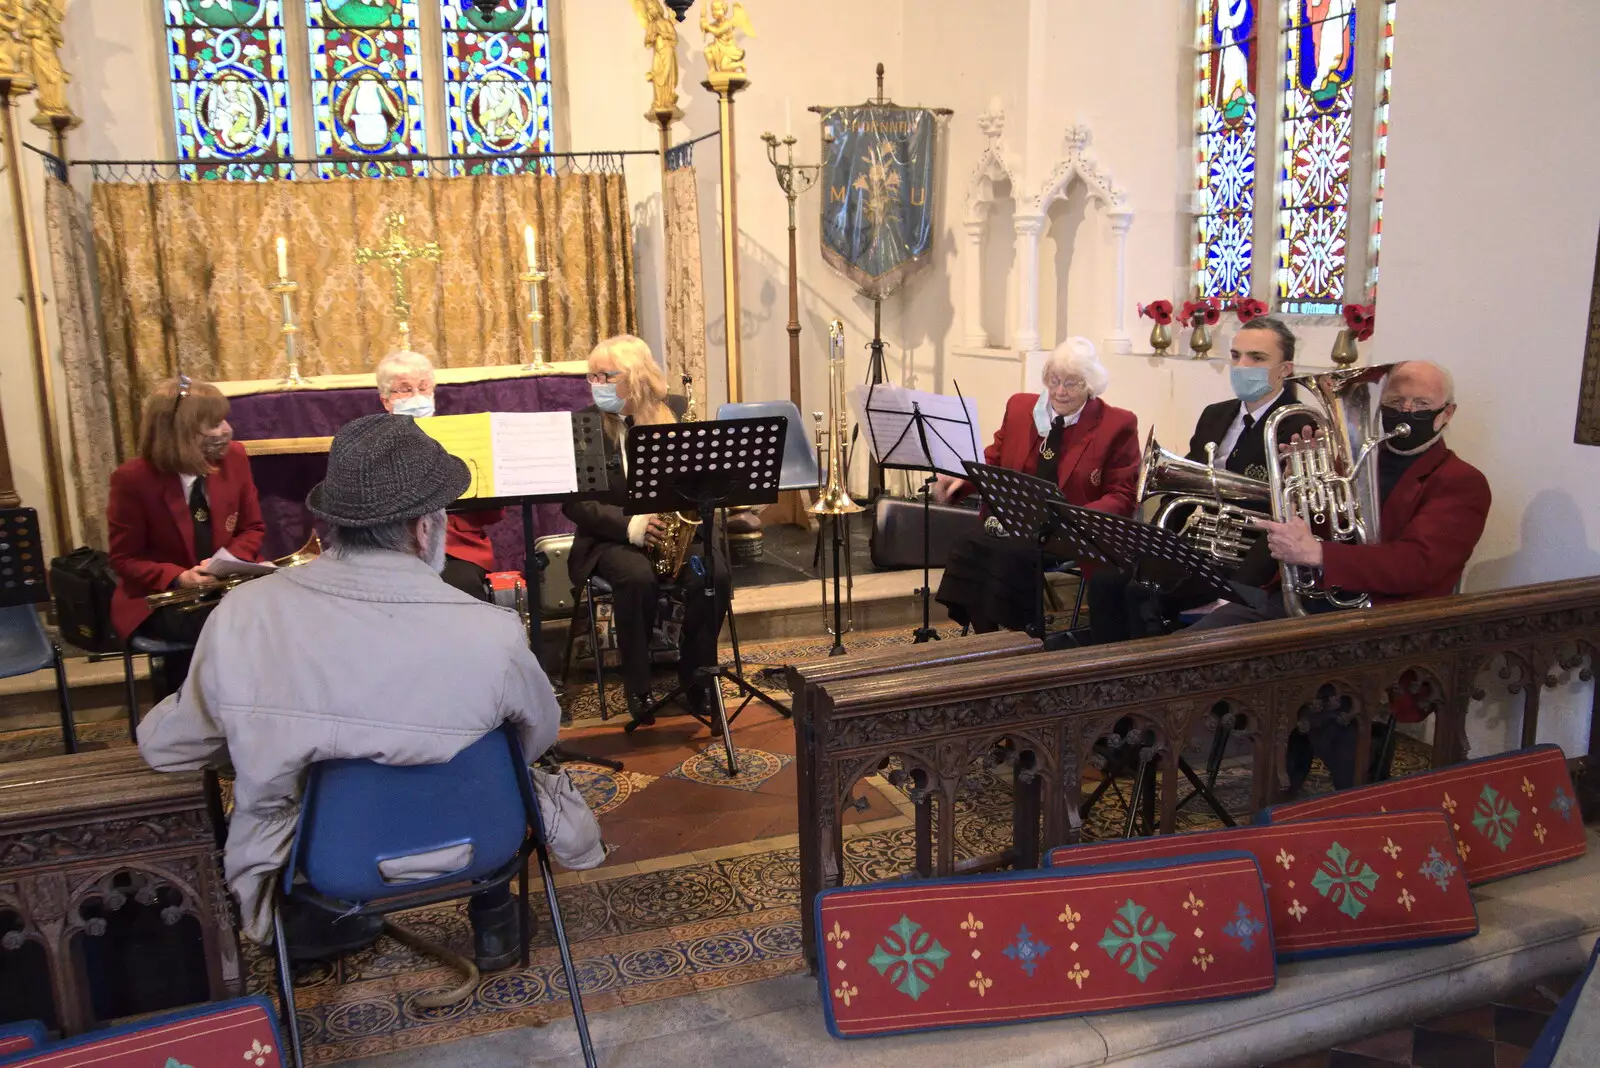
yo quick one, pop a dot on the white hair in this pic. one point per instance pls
(396, 364)
(1442, 371)
(1076, 356)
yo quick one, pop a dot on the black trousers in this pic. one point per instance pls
(172, 625)
(1120, 610)
(466, 577)
(635, 595)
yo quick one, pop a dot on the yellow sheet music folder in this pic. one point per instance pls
(510, 454)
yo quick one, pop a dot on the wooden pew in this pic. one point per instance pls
(69, 824)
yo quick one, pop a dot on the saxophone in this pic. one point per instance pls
(671, 548)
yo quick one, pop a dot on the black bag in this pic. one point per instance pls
(82, 583)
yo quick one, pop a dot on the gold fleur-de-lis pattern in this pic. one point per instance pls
(1539, 832)
(1078, 974)
(1297, 910)
(838, 936)
(845, 992)
(1203, 959)
(1194, 904)
(1449, 804)
(1391, 849)
(972, 925)
(981, 983)
(1527, 787)
(258, 1053)
(1069, 917)
(1285, 858)
(1406, 899)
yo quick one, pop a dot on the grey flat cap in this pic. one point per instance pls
(382, 469)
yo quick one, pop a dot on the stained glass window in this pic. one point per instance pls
(230, 93)
(366, 84)
(1226, 140)
(1319, 53)
(1380, 150)
(496, 81)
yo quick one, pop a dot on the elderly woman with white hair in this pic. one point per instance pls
(1067, 435)
(405, 386)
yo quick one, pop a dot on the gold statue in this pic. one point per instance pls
(41, 30)
(719, 21)
(13, 49)
(661, 37)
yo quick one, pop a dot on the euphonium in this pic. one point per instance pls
(1330, 481)
(194, 598)
(671, 547)
(835, 498)
(1215, 525)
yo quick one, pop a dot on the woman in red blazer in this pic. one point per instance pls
(1064, 433)
(188, 494)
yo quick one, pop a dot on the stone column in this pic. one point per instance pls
(1119, 341)
(975, 335)
(1028, 228)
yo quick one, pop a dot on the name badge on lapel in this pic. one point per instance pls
(233, 521)
(1094, 477)
(1257, 472)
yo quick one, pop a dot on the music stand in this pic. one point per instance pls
(1024, 505)
(910, 430)
(706, 466)
(1129, 545)
(593, 470)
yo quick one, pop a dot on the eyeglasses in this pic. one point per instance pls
(406, 389)
(1412, 404)
(600, 378)
(1071, 385)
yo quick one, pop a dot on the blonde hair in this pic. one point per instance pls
(176, 413)
(647, 384)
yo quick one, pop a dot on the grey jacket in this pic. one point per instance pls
(369, 656)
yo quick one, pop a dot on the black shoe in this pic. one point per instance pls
(494, 935)
(314, 933)
(697, 698)
(641, 711)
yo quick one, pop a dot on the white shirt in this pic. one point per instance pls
(188, 486)
(1230, 440)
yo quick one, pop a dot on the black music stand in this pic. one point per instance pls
(593, 469)
(1131, 546)
(910, 449)
(706, 466)
(1025, 507)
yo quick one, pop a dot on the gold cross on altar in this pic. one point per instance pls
(395, 253)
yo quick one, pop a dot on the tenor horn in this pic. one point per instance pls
(194, 598)
(1206, 495)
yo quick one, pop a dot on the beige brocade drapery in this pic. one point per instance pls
(686, 307)
(90, 380)
(184, 269)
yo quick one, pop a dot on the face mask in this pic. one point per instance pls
(1250, 384)
(605, 397)
(1420, 432)
(418, 406)
(214, 448)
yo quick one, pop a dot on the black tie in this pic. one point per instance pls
(1249, 421)
(200, 515)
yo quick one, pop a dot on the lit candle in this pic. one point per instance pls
(283, 260)
(527, 241)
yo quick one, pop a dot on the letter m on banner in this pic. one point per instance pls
(877, 214)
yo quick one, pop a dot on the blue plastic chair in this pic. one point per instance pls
(359, 813)
(24, 645)
(799, 457)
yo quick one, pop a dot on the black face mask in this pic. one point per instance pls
(1419, 424)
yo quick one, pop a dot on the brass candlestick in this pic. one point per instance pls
(533, 278)
(794, 179)
(286, 289)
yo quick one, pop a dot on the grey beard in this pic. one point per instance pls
(434, 553)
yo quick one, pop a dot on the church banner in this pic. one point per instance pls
(877, 202)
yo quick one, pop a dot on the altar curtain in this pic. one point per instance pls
(184, 269)
(686, 306)
(91, 380)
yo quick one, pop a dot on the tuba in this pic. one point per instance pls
(835, 498)
(671, 549)
(1216, 525)
(1331, 481)
(195, 598)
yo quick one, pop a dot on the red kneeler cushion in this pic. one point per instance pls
(1511, 813)
(20, 1038)
(1354, 884)
(239, 1034)
(988, 949)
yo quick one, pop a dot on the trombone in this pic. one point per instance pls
(835, 499)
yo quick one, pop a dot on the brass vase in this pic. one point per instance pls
(1200, 341)
(1344, 349)
(1160, 339)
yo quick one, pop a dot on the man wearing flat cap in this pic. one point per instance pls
(362, 653)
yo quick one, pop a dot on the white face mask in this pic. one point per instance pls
(418, 406)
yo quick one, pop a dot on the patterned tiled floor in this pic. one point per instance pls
(1497, 1035)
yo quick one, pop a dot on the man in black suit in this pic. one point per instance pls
(1263, 360)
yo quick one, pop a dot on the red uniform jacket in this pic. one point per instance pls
(152, 536)
(1430, 524)
(1100, 453)
(465, 539)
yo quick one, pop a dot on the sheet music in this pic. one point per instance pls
(533, 453)
(224, 565)
(469, 438)
(951, 422)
